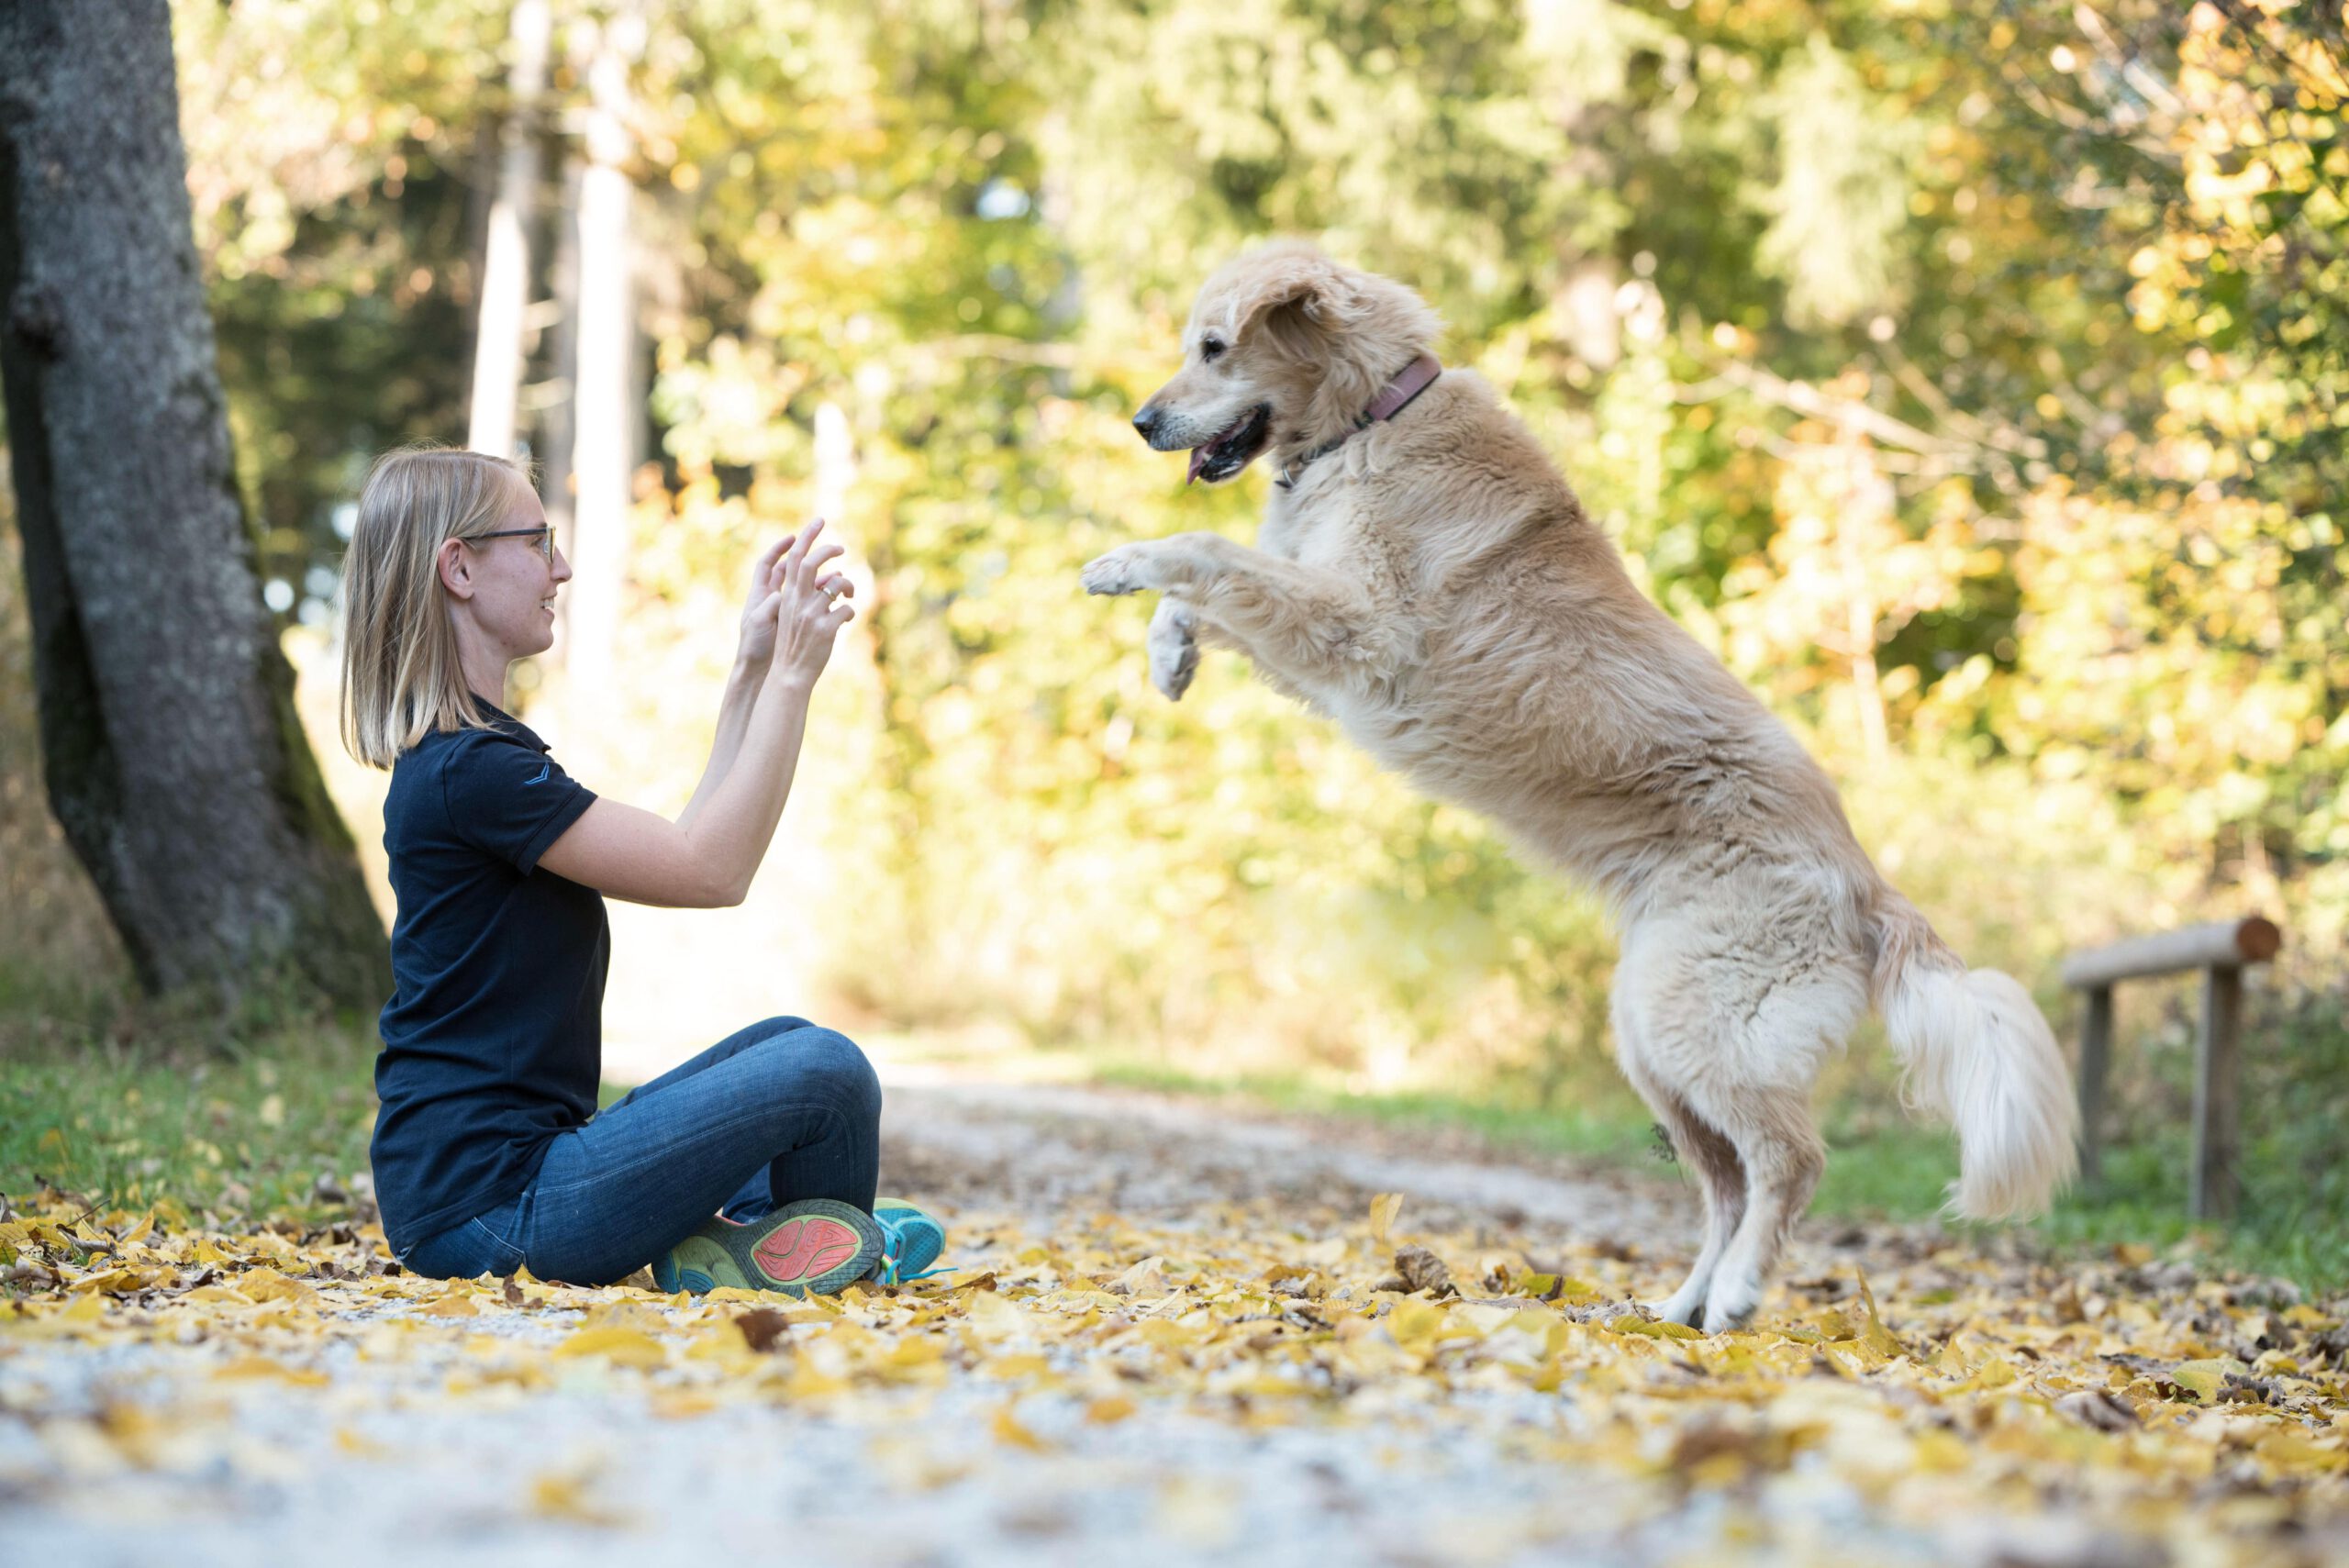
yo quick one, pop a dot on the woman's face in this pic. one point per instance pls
(513, 581)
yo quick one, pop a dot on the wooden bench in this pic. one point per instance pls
(2221, 951)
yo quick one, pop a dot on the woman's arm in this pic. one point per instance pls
(743, 685)
(706, 857)
(751, 657)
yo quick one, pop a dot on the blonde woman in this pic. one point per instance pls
(755, 1164)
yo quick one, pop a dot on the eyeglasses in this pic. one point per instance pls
(543, 533)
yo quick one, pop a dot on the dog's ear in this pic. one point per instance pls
(1299, 292)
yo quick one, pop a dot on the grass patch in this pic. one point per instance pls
(2295, 1222)
(247, 1127)
(126, 1106)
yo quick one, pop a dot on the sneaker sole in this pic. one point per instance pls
(816, 1244)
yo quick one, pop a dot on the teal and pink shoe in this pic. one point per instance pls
(814, 1245)
(911, 1241)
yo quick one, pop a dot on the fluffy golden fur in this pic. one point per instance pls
(1433, 585)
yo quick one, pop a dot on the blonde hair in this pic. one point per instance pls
(401, 678)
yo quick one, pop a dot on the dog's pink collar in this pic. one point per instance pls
(1392, 399)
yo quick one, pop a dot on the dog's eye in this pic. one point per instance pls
(1210, 347)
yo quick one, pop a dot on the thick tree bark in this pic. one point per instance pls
(174, 759)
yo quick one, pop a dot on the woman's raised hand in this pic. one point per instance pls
(758, 609)
(811, 605)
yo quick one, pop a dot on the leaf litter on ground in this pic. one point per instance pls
(2207, 1413)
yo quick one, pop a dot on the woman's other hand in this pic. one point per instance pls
(811, 605)
(759, 610)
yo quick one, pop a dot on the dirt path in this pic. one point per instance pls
(1045, 1151)
(1178, 1352)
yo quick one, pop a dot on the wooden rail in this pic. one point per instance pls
(2221, 951)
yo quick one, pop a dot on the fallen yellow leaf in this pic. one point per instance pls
(2203, 1378)
(1873, 1333)
(571, 1499)
(267, 1284)
(1007, 1428)
(1657, 1329)
(992, 1314)
(622, 1347)
(263, 1366)
(1145, 1278)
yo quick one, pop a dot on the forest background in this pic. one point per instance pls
(1970, 378)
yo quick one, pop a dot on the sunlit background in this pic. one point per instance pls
(1967, 376)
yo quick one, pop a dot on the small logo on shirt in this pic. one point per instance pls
(543, 771)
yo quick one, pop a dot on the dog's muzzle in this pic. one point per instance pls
(1219, 456)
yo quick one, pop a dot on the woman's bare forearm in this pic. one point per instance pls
(741, 694)
(737, 818)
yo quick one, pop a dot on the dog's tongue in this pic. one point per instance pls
(1198, 462)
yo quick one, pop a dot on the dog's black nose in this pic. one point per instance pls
(1145, 422)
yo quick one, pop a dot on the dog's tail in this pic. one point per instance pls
(1975, 1049)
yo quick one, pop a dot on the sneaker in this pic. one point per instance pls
(816, 1244)
(911, 1241)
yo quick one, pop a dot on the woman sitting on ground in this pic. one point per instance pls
(755, 1164)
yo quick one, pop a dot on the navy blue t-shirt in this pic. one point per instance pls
(493, 1039)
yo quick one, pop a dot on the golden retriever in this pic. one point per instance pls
(1428, 579)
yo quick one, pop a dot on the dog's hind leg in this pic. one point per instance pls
(1779, 1149)
(1698, 1146)
(1737, 1002)
(1713, 1157)
(1662, 1045)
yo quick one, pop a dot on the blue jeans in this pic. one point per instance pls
(781, 1111)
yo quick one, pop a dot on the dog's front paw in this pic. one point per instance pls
(1173, 648)
(1125, 570)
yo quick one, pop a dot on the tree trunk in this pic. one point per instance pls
(558, 415)
(1866, 514)
(173, 758)
(604, 419)
(506, 264)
